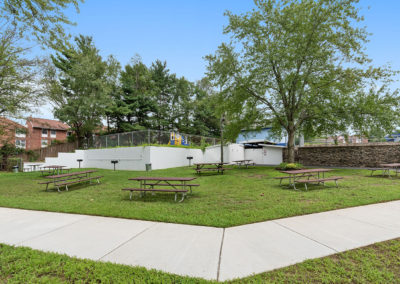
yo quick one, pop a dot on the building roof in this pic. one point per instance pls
(8, 123)
(48, 124)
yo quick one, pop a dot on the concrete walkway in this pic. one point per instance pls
(210, 253)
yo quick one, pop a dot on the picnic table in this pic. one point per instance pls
(385, 168)
(210, 167)
(69, 179)
(246, 163)
(177, 185)
(52, 169)
(33, 167)
(312, 175)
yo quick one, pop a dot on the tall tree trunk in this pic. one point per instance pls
(290, 146)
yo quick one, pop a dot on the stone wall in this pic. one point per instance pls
(361, 155)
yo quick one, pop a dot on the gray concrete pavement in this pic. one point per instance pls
(206, 252)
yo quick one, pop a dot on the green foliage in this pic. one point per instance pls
(152, 97)
(289, 166)
(12, 162)
(32, 155)
(78, 84)
(20, 22)
(10, 150)
(300, 66)
(40, 20)
(18, 92)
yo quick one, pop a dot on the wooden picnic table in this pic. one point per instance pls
(70, 178)
(387, 167)
(153, 184)
(246, 163)
(313, 176)
(54, 168)
(218, 167)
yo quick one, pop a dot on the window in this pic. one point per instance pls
(20, 143)
(53, 134)
(44, 143)
(21, 133)
(44, 133)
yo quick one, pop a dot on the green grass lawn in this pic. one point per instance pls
(378, 263)
(239, 196)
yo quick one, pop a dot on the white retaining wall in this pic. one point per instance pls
(136, 158)
(67, 159)
(268, 155)
(129, 158)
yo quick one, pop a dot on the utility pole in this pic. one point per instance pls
(222, 137)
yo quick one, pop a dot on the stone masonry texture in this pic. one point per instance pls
(362, 155)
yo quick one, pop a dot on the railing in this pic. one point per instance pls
(149, 137)
(50, 151)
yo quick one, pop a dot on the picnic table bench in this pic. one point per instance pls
(177, 185)
(385, 168)
(69, 179)
(246, 163)
(52, 169)
(315, 177)
(210, 167)
(296, 177)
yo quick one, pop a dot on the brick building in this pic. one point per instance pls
(42, 132)
(13, 133)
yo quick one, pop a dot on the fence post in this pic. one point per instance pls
(118, 139)
(132, 139)
(106, 141)
(148, 136)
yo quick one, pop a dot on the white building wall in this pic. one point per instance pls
(235, 152)
(212, 154)
(136, 158)
(268, 155)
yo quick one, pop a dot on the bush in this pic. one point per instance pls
(11, 162)
(289, 166)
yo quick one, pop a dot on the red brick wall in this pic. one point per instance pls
(34, 139)
(7, 134)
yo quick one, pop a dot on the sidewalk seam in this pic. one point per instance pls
(307, 237)
(130, 239)
(52, 231)
(220, 254)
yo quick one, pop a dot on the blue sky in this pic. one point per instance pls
(182, 32)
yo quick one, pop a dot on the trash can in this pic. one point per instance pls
(148, 167)
(15, 169)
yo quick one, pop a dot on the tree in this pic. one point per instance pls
(162, 88)
(78, 86)
(205, 121)
(19, 86)
(39, 20)
(20, 21)
(136, 95)
(295, 65)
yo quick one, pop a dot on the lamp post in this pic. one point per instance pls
(222, 137)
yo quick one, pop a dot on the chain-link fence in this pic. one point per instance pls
(149, 137)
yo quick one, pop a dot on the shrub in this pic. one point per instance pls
(289, 166)
(11, 162)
